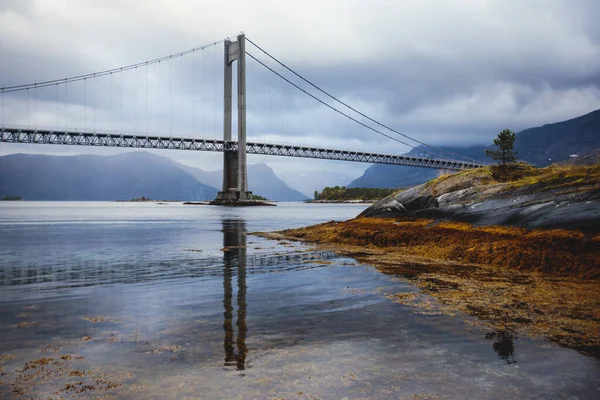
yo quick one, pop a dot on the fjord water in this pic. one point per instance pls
(167, 301)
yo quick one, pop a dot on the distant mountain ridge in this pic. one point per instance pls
(262, 181)
(123, 177)
(550, 143)
(540, 146)
(92, 177)
(394, 176)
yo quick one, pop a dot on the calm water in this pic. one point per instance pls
(129, 300)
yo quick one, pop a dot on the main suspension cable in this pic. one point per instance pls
(354, 109)
(324, 103)
(15, 88)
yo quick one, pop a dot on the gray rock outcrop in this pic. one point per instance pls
(528, 206)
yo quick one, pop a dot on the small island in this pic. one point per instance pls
(256, 197)
(12, 198)
(342, 194)
(145, 199)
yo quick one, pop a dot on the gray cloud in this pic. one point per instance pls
(446, 72)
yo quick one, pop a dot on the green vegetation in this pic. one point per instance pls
(518, 175)
(568, 177)
(12, 198)
(257, 197)
(505, 143)
(343, 193)
(505, 154)
(143, 198)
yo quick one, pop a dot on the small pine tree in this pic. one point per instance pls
(316, 195)
(505, 153)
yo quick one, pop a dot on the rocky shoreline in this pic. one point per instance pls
(557, 197)
(522, 256)
(490, 273)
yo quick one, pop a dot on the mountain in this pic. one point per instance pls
(396, 176)
(550, 143)
(261, 181)
(91, 177)
(393, 176)
(210, 178)
(590, 158)
(540, 146)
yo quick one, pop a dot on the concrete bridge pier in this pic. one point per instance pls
(235, 177)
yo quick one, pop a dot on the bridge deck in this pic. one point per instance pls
(141, 141)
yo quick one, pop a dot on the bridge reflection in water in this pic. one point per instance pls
(234, 257)
(26, 278)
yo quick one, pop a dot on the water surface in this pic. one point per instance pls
(166, 301)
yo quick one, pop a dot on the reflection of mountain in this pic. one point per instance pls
(234, 258)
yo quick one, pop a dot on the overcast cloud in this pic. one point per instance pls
(445, 72)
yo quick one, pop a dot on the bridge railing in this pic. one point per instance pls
(143, 141)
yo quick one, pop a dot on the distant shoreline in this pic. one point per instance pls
(12, 198)
(144, 201)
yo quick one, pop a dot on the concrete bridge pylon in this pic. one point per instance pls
(235, 176)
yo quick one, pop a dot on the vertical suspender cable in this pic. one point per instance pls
(136, 100)
(215, 93)
(111, 102)
(66, 105)
(35, 106)
(94, 110)
(146, 116)
(28, 108)
(56, 126)
(121, 126)
(202, 80)
(170, 97)
(159, 110)
(269, 124)
(181, 93)
(318, 130)
(85, 104)
(194, 92)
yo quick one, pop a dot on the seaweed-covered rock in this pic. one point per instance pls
(554, 197)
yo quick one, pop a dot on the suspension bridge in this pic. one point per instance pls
(235, 182)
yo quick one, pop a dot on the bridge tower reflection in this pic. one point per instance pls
(234, 260)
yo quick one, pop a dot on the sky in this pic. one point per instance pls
(446, 72)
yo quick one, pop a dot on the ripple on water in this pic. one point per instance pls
(126, 309)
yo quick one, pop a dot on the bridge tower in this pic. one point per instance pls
(235, 177)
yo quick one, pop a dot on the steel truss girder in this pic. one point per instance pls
(140, 141)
